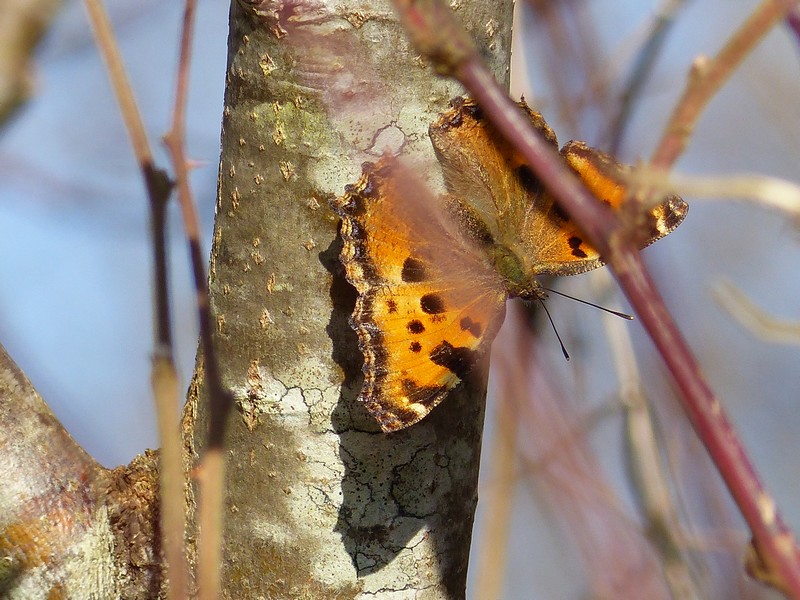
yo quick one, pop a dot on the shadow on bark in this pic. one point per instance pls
(399, 489)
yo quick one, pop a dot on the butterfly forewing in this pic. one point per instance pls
(429, 303)
(480, 168)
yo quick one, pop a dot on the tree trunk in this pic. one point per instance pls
(319, 502)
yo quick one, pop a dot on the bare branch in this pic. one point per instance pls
(164, 378)
(51, 514)
(709, 75)
(642, 68)
(761, 324)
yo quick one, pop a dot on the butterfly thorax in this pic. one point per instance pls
(517, 279)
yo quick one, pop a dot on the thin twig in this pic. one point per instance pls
(642, 68)
(499, 495)
(754, 319)
(441, 40)
(570, 56)
(708, 76)
(770, 192)
(173, 518)
(646, 467)
(212, 464)
(558, 462)
(793, 21)
(164, 378)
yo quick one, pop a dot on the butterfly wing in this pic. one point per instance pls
(433, 274)
(559, 245)
(428, 304)
(480, 167)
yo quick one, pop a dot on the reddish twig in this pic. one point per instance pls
(164, 378)
(440, 39)
(492, 548)
(569, 58)
(556, 459)
(793, 21)
(642, 68)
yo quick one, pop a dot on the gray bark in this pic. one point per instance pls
(319, 502)
(68, 527)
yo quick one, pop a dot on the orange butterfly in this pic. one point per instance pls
(433, 274)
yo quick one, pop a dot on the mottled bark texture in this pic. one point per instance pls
(68, 527)
(320, 503)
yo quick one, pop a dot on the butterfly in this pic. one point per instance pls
(433, 274)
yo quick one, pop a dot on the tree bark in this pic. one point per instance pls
(68, 527)
(319, 502)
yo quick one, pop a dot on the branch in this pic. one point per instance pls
(21, 27)
(750, 316)
(708, 76)
(211, 468)
(50, 502)
(642, 68)
(164, 379)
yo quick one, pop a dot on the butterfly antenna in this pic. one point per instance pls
(553, 325)
(621, 315)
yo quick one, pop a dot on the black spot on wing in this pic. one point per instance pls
(473, 327)
(458, 360)
(432, 304)
(467, 106)
(415, 347)
(391, 417)
(391, 305)
(427, 396)
(415, 327)
(469, 221)
(413, 270)
(575, 243)
(528, 180)
(556, 213)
